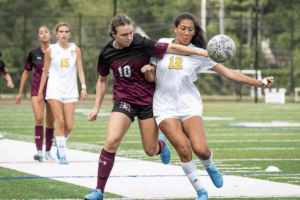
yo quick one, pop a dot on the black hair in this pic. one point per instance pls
(0, 54)
(118, 20)
(198, 39)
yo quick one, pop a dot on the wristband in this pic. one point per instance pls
(83, 86)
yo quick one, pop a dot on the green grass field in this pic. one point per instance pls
(237, 150)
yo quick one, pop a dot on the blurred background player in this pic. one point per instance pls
(175, 75)
(35, 61)
(62, 61)
(126, 54)
(3, 70)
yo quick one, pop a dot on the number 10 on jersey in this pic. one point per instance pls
(126, 71)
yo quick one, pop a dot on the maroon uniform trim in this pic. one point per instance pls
(3, 69)
(130, 83)
(35, 61)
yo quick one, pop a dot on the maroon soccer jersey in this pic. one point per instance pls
(130, 83)
(35, 60)
(3, 69)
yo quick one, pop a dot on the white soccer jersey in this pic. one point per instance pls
(175, 92)
(62, 81)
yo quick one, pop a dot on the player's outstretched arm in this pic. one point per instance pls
(184, 50)
(9, 81)
(241, 78)
(149, 71)
(24, 78)
(81, 74)
(47, 61)
(100, 92)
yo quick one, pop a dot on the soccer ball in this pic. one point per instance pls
(221, 48)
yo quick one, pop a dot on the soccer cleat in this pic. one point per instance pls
(63, 160)
(95, 195)
(202, 195)
(48, 156)
(215, 176)
(57, 152)
(38, 156)
(165, 155)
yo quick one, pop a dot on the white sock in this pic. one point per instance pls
(207, 163)
(190, 169)
(61, 145)
(66, 137)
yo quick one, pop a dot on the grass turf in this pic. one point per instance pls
(228, 143)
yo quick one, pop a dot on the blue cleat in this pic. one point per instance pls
(48, 156)
(202, 195)
(63, 160)
(215, 176)
(57, 152)
(95, 195)
(165, 155)
(39, 156)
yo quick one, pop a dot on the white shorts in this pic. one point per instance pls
(63, 100)
(161, 118)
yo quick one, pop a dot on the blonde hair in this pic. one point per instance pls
(62, 24)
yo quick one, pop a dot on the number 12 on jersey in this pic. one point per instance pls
(178, 63)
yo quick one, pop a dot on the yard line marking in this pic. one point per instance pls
(252, 134)
(284, 178)
(240, 168)
(262, 128)
(135, 176)
(222, 141)
(256, 148)
(256, 159)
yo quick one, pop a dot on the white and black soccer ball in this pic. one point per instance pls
(221, 48)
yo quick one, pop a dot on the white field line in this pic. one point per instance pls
(252, 134)
(234, 141)
(256, 148)
(242, 171)
(215, 141)
(164, 187)
(256, 159)
(284, 178)
(239, 168)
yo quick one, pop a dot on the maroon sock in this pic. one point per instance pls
(161, 145)
(106, 163)
(39, 137)
(49, 138)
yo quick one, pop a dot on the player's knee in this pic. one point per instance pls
(184, 152)
(112, 144)
(68, 129)
(202, 152)
(39, 120)
(150, 151)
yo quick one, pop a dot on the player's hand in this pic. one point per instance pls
(92, 116)
(268, 82)
(147, 69)
(83, 94)
(40, 98)
(203, 53)
(19, 99)
(10, 84)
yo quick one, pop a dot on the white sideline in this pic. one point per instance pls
(18, 155)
